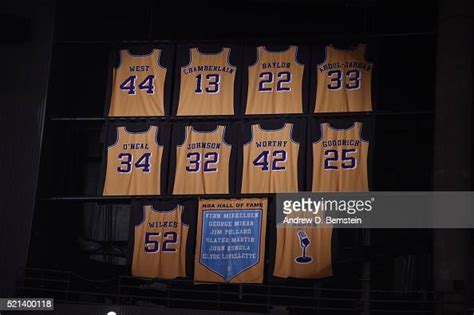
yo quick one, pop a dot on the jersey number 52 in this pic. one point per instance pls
(152, 242)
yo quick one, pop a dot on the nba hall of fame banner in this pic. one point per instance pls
(230, 240)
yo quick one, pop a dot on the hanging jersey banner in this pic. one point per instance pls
(138, 85)
(303, 247)
(207, 84)
(344, 81)
(340, 160)
(270, 161)
(133, 163)
(230, 240)
(275, 82)
(160, 244)
(202, 162)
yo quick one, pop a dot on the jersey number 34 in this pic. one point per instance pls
(127, 163)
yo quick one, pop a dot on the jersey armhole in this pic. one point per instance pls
(325, 56)
(361, 127)
(223, 136)
(120, 59)
(296, 55)
(117, 137)
(228, 50)
(180, 209)
(290, 133)
(257, 58)
(364, 55)
(251, 135)
(321, 135)
(158, 59)
(186, 129)
(144, 212)
(191, 52)
(156, 136)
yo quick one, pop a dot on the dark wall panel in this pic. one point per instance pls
(25, 68)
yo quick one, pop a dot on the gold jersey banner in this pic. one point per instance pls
(230, 241)
(207, 84)
(138, 85)
(160, 244)
(303, 250)
(340, 160)
(270, 161)
(202, 163)
(134, 163)
(275, 82)
(344, 81)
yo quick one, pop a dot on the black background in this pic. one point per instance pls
(401, 34)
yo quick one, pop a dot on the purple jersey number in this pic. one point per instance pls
(147, 85)
(266, 81)
(213, 83)
(170, 238)
(152, 242)
(353, 78)
(347, 161)
(283, 78)
(126, 163)
(277, 158)
(207, 160)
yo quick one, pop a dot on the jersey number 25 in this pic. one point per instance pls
(344, 156)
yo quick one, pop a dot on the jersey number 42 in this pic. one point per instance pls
(271, 160)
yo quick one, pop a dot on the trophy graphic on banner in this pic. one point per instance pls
(304, 243)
